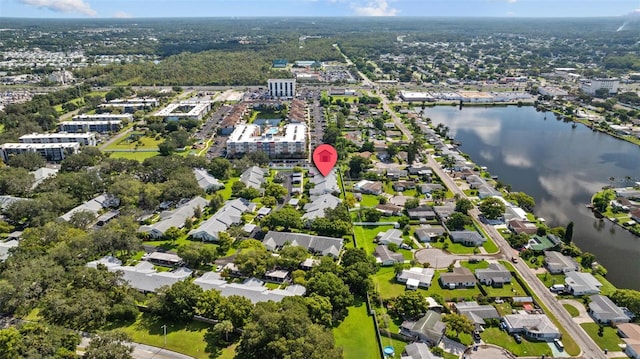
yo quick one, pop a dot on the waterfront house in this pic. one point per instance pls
(557, 262)
(604, 311)
(578, 283)
(630, 334)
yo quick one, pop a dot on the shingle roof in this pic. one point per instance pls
(534, 323)
(230, 213)
(391, 235)
(205, 180)
(418, 351)
(175, 218)
(317, 244)
(476, 312)
(94, 206)
(316, 208)
(322, 184)
(253, 177)
(251, 289)
(423, 275)
(385, 254)
(557, 261)
(495, 271)
(429, 325)
(605, 308)
(581, 282)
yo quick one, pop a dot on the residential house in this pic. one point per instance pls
(578, 283)
(496, 275)
(557, 262)
(476, 313)
(254, 177)
(386, 257)
(532, 326)
(323, 184)
(604, 311)
(107, 217)
(163, 259)
(309, 263)
(41, 174)
(512, 212)
(227, 215)
(400, 186)
(461, 277)
(251, 288)
(630, 334)
(391, 235)
(317, 206)
(416, 277)
(326, 246)
(428, 188)
(422, 212)
(518, 226)
(277, 276)
(206, 181)
(418, 351)
(443, 212)
(389, 209)
(429, 233)
(368, 187)
(467, 238)
(93, 206)
(542, 243)
(486, 191)
(142, 276)
(419, 170)
(395, 174)
(429, 329)
(175, 218)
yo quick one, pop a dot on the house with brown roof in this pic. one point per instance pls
(389, 209)
(630, 334)
(461, 277)
(517, 226)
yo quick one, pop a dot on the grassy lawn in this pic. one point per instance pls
(573, 311)
(609, 340)
(1, 128)
(369, 200)
(535, 263)
(455, 248)
(550, 279)
(144, 142)
(365, 236)
(503, 308)
(138, 156)
(607, 287)
(187, 338)
(508, 290)
(473, 266)
(226, 191)
(503, 339)
(356, 334)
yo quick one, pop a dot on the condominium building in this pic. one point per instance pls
(103, 117)
(90, 126)
(287, 142)
(53, 152)
(133, 104)
(87, 139)
(593, 85)
(282, 88)
(193, 110)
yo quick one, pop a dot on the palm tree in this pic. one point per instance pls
(224, 327)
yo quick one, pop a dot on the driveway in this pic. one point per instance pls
(437, 258)
(584, 317)
(487, 352)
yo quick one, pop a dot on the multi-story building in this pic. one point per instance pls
(287, 142)
(87, 139)
(103, 117)
(193, 110)
(132, 105)
(53, 152)
(90, 126)
(593, 85)
(282, 88)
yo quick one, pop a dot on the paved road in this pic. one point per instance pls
(141, 351)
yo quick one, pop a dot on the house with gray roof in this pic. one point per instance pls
(467, 238)
(418, 350)
(227, 215)
(579, 283)
(254, 177)
(5, 247)
(174, 218)
(428, 233)
(443, 212)
(386, 257)
(252, 288)
(327, 246)
(206, 181)
(318, 205)
(496, 275)
(323, 184)
(143, 276)
(461, 277)
(421, 212)
(476, 313)
(427, 188)
(557, 262)
(416, 277)
(42, 174)
(533, 326)
(391, 235)
(93, 206)
(6, 201)
(370, 187)
(429, 329)
(604, 311)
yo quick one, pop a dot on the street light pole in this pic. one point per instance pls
(164, 328)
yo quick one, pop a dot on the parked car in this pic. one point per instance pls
(476, 335)
(503, 325)
(517, 338)
(514, 259)
(558, 344)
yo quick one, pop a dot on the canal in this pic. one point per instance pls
(560, 166)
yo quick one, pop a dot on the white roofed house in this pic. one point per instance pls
(532, 326)
(175, 218)
(318, 205)
(391, 235)
(386, 257)
(323, 184)
(467, 238)
(227, 215)
(429, 329)
(557, 262)
(206, 181)
(604, 311)
(93, 206)
(326, 246)
(578, 283)
(254, 177)
(416, 277)
(477, 313)
(496, 275)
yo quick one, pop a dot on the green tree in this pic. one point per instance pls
(286, 217)
(370, 214)
(254, 262)
(178, 302)
(15, 181)
(109, 345)
(411, 305)
(587, 259)
(457, 221)
(329, 285)
(236, 309)
(463, 205)
(223, 329)
(30, 161)
(458, 323)
(10, 343)
(357, 165)
(568, 234)
(220, 168)
(492, 208)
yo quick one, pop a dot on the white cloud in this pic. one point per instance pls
(374, 8)
(122, 15)
(67, 6)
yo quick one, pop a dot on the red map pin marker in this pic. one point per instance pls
(325, 158)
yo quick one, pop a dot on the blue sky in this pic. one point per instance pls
(213, 8)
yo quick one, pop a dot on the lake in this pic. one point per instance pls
(560, 166)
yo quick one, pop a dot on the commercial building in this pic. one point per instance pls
(593, 85)
(52, 152)
(103, 117)
(193, 110)
(87, 139)
(90, 126)
(287, 142)
(282, 88)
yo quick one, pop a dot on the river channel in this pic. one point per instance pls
(560, 166)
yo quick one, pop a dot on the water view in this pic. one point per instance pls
(560, 166)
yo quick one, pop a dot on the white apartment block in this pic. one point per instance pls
(282, 88)
(87, 139)
(103, 117)
(287, 142)
(193, 110)
(90, 126)
(133, 104)
(591, 86)
(52, 152)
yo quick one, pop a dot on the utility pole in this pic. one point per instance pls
(164, 328)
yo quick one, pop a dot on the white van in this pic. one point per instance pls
(558, 344)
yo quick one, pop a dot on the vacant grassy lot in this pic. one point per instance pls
(356, 334)
(135, 139)
(369, 200)
(138, 156)
(366, 234)
(609, 339)
(526, 348)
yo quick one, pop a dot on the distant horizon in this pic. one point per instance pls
(161, 9)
